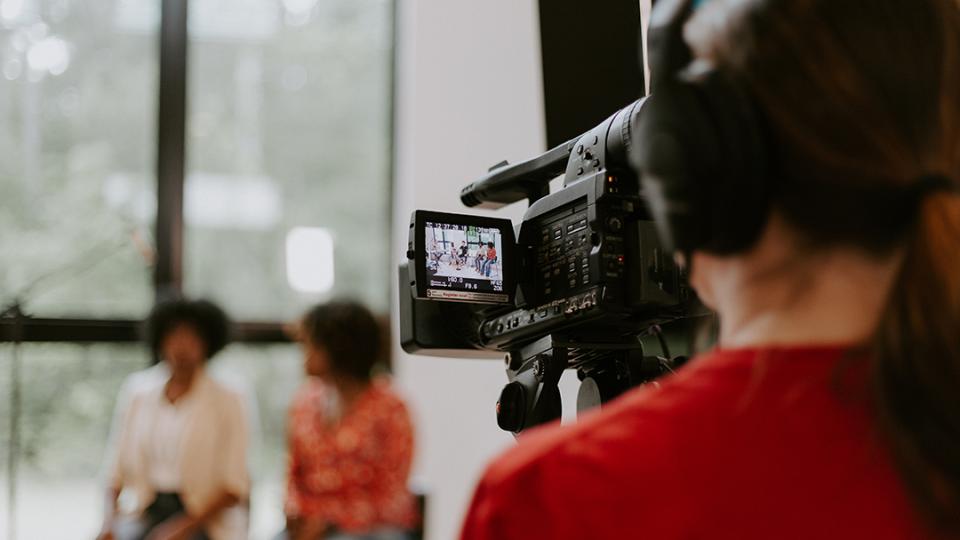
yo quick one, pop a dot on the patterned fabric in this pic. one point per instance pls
(352, 471)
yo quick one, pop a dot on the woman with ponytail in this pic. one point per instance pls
(830, 407)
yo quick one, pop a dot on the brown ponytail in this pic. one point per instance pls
(917, 355)
(862, 101)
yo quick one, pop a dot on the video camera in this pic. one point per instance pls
(575, 285)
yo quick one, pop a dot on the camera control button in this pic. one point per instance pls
(539, 368)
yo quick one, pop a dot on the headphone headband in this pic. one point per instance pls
(665, 36)
(700, 151)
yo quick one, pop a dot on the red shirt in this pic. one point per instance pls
(740, 444)
(351, 472)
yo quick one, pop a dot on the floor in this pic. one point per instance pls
(78, 503)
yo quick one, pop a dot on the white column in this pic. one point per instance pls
(469, 95)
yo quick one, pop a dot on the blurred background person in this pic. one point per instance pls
(478, 259)
(180, 438)
(350, 436)
(463, 254)
(490, 259)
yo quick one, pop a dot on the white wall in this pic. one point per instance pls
(469, 95)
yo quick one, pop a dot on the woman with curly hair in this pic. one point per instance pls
(180, 438)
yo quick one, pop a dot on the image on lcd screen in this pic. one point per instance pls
(463, 259)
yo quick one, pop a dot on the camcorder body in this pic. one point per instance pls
(575, 285)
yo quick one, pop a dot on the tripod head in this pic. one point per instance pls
(605, 370)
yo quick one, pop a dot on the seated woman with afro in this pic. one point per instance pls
(177, 466)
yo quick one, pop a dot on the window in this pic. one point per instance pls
(64, 413)
(271, 375)
(286, 203)
(288, 129)
(77, 108)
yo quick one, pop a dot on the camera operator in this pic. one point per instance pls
(831, 406)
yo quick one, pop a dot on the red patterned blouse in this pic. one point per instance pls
(352, 472)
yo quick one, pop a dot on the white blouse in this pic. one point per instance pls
(164, 449)
(198, 447)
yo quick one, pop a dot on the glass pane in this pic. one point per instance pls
(77, 107)
(67, 397)
(272, 374)
(288, 198)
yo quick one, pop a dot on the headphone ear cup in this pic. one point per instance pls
(702, 162)
(670, 162)
(741, 180)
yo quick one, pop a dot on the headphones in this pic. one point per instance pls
(701, 147)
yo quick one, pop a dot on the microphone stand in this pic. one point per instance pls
(15, 312)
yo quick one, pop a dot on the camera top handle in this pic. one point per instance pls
(505, 184)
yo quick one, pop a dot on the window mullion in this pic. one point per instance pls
(171, 155)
